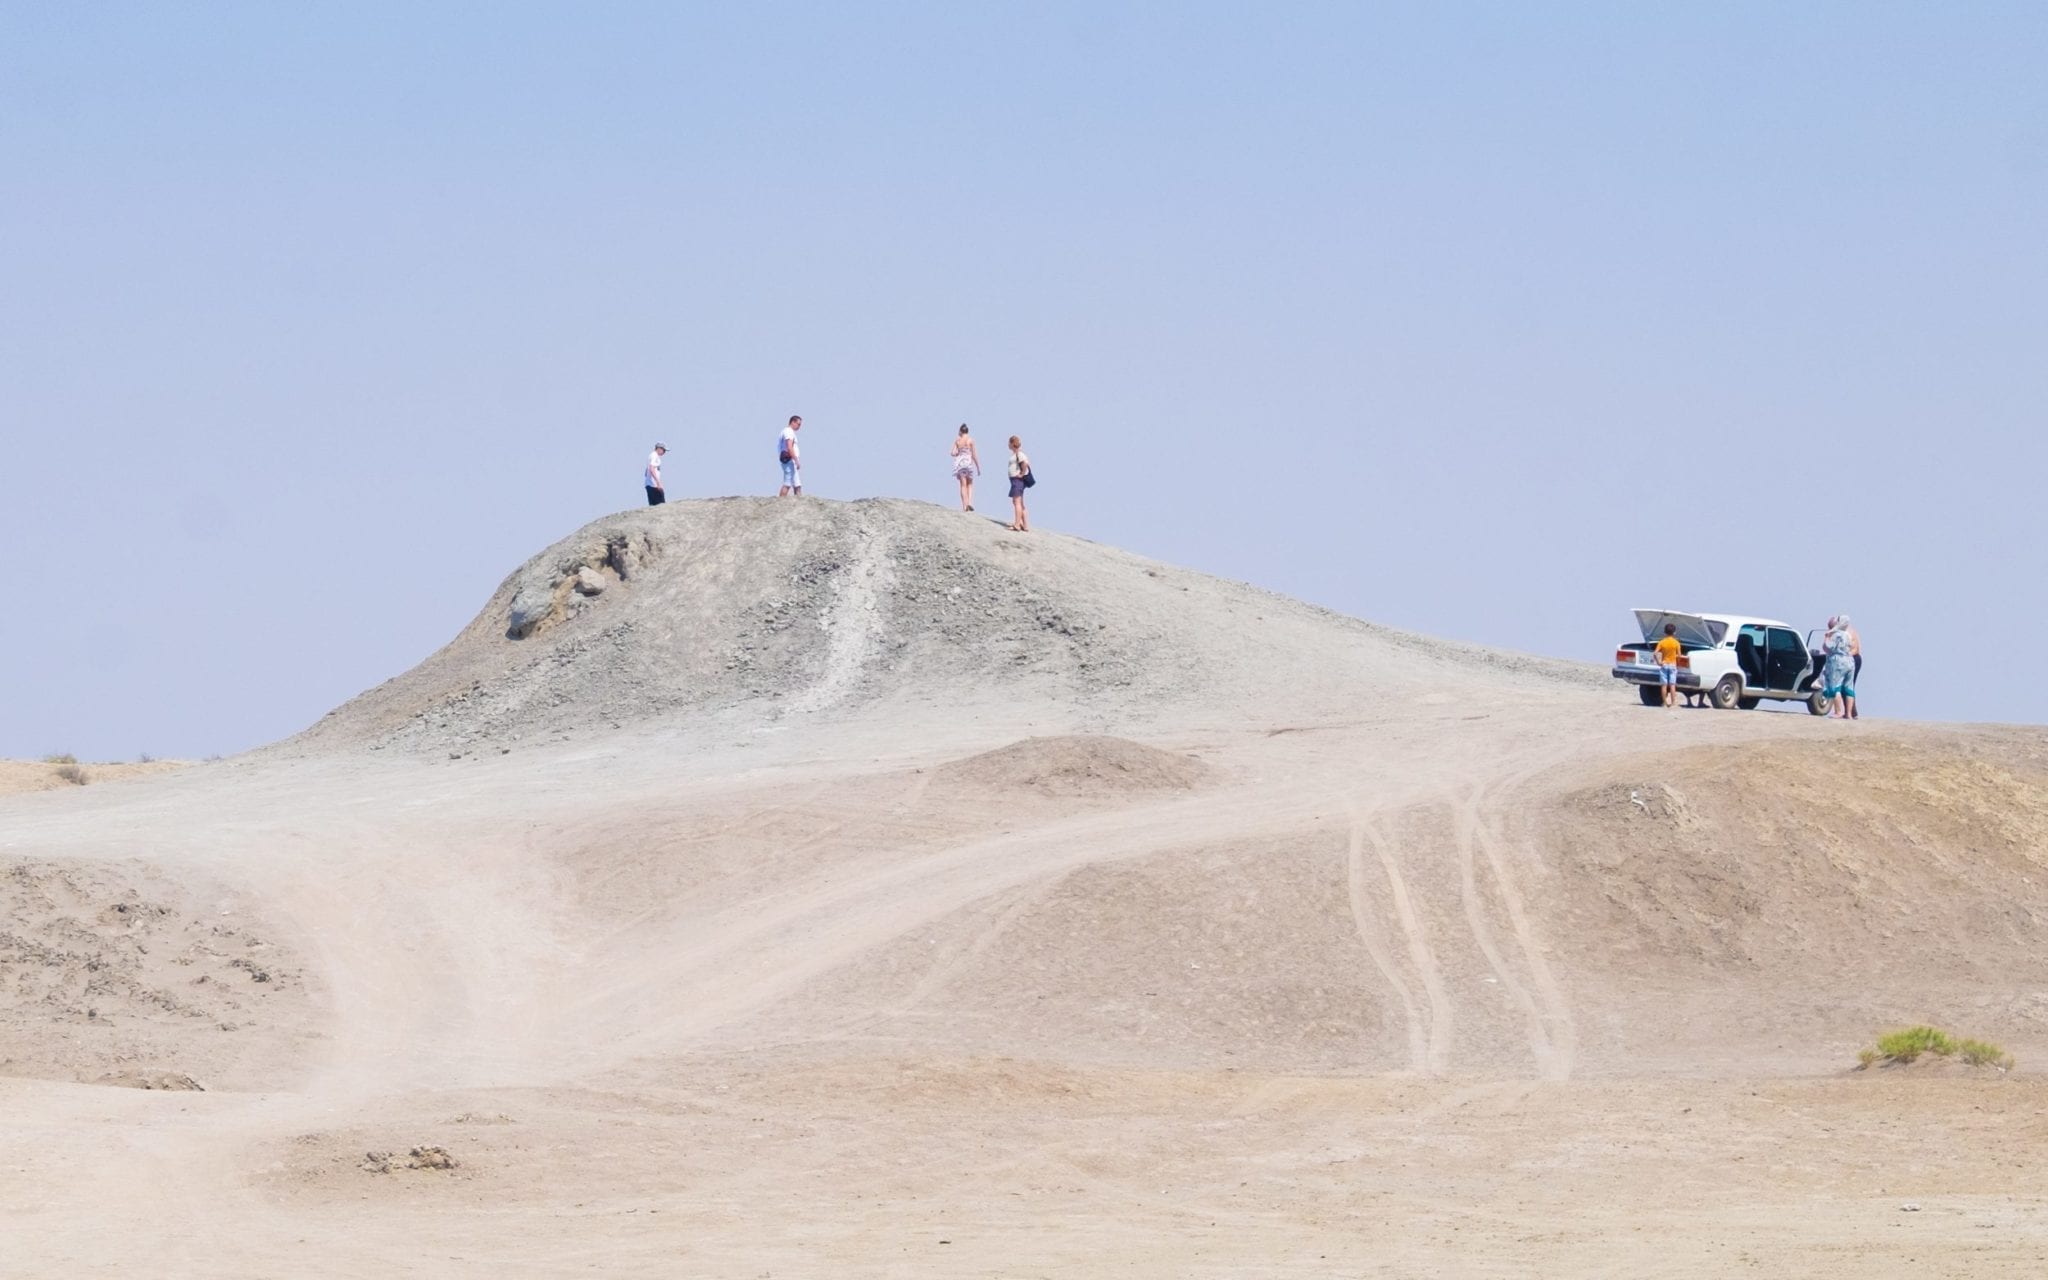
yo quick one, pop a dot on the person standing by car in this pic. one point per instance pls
(1668, 651)
(656, 494)
(1856, 654)
(1020, 480)
(1838, 673)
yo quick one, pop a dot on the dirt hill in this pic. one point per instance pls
(769, 608)
(859, 889)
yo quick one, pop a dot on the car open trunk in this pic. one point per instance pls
(1694, 632)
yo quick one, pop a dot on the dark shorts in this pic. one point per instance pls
(1016, 486)
(655, 497)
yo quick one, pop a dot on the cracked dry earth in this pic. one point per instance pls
(1357, 956)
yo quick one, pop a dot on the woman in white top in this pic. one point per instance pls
(1020, 473)
(966, 466)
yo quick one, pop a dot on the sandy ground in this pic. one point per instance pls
(18, 776)
(1352, 956)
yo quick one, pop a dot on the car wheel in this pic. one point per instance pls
(1728, 692)
(1651, 695)
(1748, 704)
(1818, 703)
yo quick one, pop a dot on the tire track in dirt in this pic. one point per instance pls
(1561, 1029)
(947, 970)
(1429, 1037)
(715, 975)
(1464, 823)
(1364, 913)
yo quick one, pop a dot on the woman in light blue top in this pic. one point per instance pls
(1838, 674)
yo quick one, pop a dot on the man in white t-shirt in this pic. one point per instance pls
(792, 465)
(656, 495)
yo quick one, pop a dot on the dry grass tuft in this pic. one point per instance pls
(1980, 1053)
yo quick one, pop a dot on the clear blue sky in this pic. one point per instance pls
(1486, 320)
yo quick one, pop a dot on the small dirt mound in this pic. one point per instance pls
(167, 1081)
(1081, 765)
(436, 1158)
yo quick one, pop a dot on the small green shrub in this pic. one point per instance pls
(1906, 1045)
(1979, 1053)
(73, 774)
(60, 757)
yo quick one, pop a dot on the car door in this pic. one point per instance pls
(1750, 655)
(1785, 658)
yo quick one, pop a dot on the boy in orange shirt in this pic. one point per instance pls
(1668, 650)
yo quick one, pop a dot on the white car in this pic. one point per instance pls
(1736, 661)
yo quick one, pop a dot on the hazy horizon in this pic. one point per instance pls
(1486, 322)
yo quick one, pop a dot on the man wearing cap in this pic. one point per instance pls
(656, 495)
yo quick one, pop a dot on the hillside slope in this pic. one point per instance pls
(776, 608)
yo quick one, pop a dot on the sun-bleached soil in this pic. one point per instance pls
(18, 776)
(110, 970)
(858, 889)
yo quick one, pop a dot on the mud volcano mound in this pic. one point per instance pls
(1079, 765)
(786, 607)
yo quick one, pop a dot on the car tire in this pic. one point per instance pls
(1818, 703)
(1748, 704)
(1727, 692)
(1651, 695)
